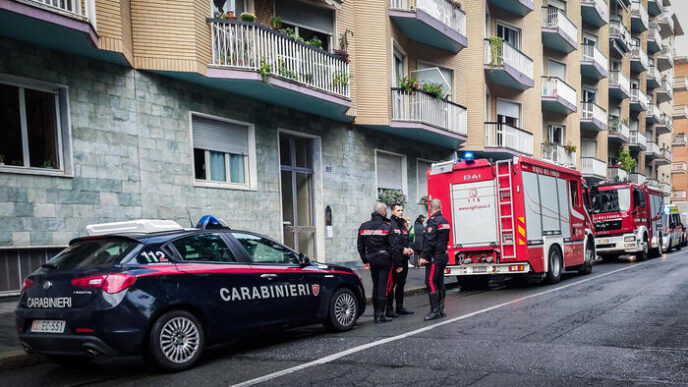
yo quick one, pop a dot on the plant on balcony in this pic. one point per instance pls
(409, 84)
(247, 17)
(496, 49)
(265, 69)
(391, 196)
(275, 23)
(283, 70)
(292, 34)
(626, 161)
(434, 89)
(455, 4)
(229, 15)
(340, 79)
(342, 52)
(570, 148)
(314, 41)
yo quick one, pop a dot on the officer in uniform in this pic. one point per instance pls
(434, 257)
(401, 249)
(374, 247)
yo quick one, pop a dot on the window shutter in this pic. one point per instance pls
(306, 15)
(219, 136)
(509, 109)
(389, 171)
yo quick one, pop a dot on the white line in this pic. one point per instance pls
(335, 356)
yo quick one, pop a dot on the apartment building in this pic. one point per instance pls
(294, 118)
(679, 167)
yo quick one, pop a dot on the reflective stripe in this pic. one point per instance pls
(431, 282)
(374, 232)
(444, 226)
(397, 231)
(390, 282)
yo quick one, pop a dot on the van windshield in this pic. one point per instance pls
(93, 253)
(611, 200)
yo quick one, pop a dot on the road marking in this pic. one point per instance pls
(338, 355)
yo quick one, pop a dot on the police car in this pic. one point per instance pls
(151, 287)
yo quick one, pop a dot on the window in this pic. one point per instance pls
(508, 112)
(615, 65)
(556, 134)
(435, 74)
(262, 250)
(391, 171)
(558, 4)
(222, 151)
(510, 35)
(574, 193)
(590, 40)
(33, 127)
(204, 247)
(589, 94)
(556, 69)
(422, 167)
(588, 148)
(237, 6)
(308, 21)
(399, 69)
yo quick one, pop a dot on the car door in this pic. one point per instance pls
(294, 290)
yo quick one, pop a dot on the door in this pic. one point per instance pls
(576, 248)
(296, 165)
(589, 95)
(509, 35)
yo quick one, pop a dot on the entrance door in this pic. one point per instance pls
(296, 165)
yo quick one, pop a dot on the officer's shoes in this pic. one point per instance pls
(442, 314)
(403, 310)
(433, 315)
(381, 318)
(391, 314)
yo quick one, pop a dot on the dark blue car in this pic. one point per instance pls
(166, 292)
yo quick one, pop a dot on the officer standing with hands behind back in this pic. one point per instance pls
(434, 257)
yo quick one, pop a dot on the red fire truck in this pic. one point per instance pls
(628, 220)
(519, 216)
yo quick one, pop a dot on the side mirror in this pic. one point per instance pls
(304, 260)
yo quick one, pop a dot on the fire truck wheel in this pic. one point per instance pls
(553, 275)
(642, 255)
(589, 259)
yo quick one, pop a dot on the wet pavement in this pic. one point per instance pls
(625, 324)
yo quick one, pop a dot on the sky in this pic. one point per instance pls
(681, 9)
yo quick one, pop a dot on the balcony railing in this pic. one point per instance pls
(73, 7)
(619, 128)
(591, 53)
(591, 111)
(616, 174)
(653, 33)
(249, 46)
(423, 108)
(665, 153)
(441, 10)
(653, 72)
(681, 83)
(679, 167)
(665, 120)
(637, 178)
(556, 19)
(502, 135)
(652, 149)
(618, 31)
(652, 110)
(558, 154)
(616, 79)
(553, 87)
(637, 53)
(678, 195)
(510, 56)
(638, 97)
(680, 112)
(594, 167)
(638, 139)
(680, 139)
(638, 10)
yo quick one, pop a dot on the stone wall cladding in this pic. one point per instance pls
(132, 158)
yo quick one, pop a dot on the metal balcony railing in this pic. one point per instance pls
(502, 135)
(637, 53)
(510, 55)
(637, 178)
(638, 10)
(442, 10)
(616, 174)
(618, 31)
(617, 79)
(640, 98)
(553, 87)
(652, 110)
(424, 108)
(593, 166)
(652, 149)
(679, 167)
(638, 139)
(618, 127)
(653, 72)
(593, 111)
(680, 112)
(558, 154)
(680, 139)
(556, 18)
(591, 53)
(653, 33)
(80, 8)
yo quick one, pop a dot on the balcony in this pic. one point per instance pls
(665, 59)
(594, 64)
(639, 61)
(558, 96)
(618, 131)
(652, 151)
(664, 156)
(665, 91)
(637, 178)
(507, 66)
(653, 77)
(654, 39)
(619, 86)
(420, 116)
(680, 139)
(620, 37)
(666, 25)
(558, 32)
(505, 140)
(432, 22)
(664, 125)
(652, 115)
(639, 18)
(665, 187)
(257, 62)
(616, 174)
(593, 169)
(679, 112)
(595, 12)
(679, 168)
(593, 117)
(64, 25)
(655, 7)
(678, 195)
(681, 84)
(558, 154)
(517, 7)
(638, 100)
(638, 141)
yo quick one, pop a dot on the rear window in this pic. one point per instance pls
(93, 253)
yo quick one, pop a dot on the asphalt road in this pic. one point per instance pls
(625, 324)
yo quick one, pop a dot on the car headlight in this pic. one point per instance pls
(630, 238)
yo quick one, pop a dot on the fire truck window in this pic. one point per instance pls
(638, 198)
(574, 193)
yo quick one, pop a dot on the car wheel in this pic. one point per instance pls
(553, 275)
(343, 311)
(176, 341)
(642, 254)
(589, 259)
(69, 361)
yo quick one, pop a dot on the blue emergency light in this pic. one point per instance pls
(209, 221)
(468, 156)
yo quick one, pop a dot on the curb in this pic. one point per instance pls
(19, 359)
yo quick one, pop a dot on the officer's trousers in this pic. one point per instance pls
(398, 286)
(382, 281)
(434, 277)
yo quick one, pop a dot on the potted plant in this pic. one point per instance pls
(434, 89)
(342, 52)
(247, 17)
(276, 23)
(409, 84)
(570, 148)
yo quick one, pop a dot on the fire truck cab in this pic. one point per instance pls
(518, 216)
(628, 220)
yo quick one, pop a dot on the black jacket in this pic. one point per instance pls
(400, 240)
(375, 240)
(418, 236)
(436, 237)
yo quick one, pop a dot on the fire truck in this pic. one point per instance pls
(628, 220)
(512, 217)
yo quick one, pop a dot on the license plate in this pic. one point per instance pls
(48, 326)
(480, 269)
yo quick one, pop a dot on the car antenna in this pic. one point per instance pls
(189, 215)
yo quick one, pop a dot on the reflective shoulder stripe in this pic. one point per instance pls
(374, 232)
(443, 226)
(397, 231)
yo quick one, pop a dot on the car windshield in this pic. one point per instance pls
(611, 200)
(93, 253)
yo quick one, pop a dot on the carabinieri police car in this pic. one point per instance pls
(151, 287)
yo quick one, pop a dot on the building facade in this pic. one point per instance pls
(679, 167)
(295, 118)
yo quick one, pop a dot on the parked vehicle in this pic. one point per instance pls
(673, 228)
(628, 220)
(520, 216)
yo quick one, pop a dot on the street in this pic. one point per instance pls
(622, 325)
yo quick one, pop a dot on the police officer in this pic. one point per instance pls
(434, 257)
(374, 247)
(401, 250)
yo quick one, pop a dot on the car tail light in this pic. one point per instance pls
(516, 268)
(110, 283)
(27, 284)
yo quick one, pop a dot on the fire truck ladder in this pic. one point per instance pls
(504, 198)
